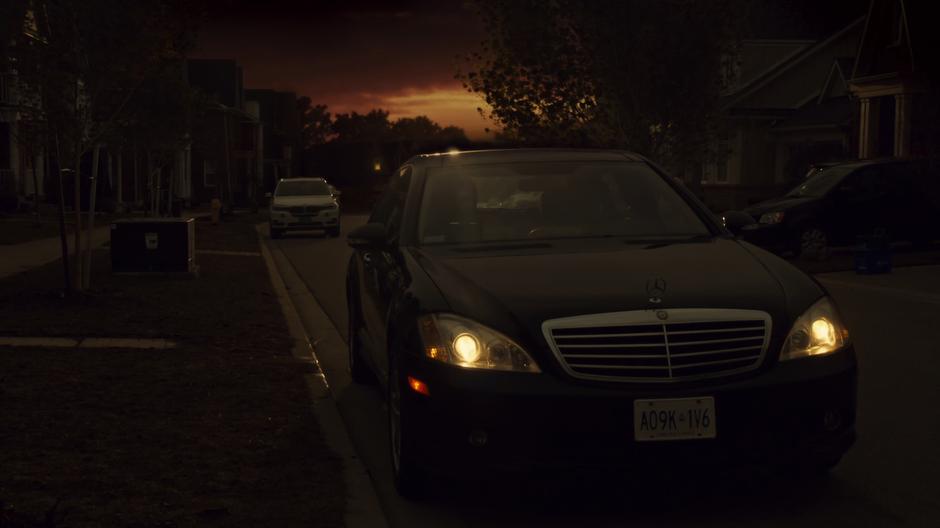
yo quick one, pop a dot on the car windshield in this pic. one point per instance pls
(821, 182)
(538, 201)
(302, 188)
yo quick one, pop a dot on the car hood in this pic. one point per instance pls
(312, 199)
(778, 204)
(520, 291)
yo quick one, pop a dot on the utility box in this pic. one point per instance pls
(154, 245)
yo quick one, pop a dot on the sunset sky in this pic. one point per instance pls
(400, 56)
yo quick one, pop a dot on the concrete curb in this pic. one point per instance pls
(362, 503)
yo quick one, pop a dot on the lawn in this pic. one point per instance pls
(219, 430)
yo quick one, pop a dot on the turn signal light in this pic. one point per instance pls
(418, 386)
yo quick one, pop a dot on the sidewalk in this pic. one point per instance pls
(17, 258)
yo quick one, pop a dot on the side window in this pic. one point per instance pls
(864, 183)
(902, 180)
(391, 206)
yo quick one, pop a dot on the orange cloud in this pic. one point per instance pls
(446, 106)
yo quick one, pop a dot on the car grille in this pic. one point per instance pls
(660, 345)
(308, 209)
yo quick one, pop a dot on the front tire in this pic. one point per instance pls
(410, 480)
(814, 243)
(358, 370)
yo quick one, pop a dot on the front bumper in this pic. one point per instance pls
(539, 421)
(287, 221)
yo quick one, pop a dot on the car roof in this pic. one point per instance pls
(479, 157)
(865, 163)
(302, 179)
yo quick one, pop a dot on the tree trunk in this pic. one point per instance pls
(92, 195)
(63, 236)
(150, 196)
(228, 165)
(35, 192)
(157, 193)
(119, 186)
(136, 180)
(77, 195)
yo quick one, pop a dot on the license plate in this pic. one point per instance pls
(305, 219)
(677, 419)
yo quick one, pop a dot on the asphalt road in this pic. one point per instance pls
(890, 478)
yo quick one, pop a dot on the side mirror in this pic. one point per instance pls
(368, 236)
(737, 221)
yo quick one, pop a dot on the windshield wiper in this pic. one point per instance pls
(659, 243)
(501, 247)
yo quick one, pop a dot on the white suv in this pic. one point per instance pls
(303, 204)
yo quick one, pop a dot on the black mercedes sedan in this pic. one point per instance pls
(562, 309)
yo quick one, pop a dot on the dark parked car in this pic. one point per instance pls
(842, 202)
(563, 308)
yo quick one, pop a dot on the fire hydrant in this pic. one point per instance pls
(216, 206)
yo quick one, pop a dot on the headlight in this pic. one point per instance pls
(458, 341)
(819, 331)
(771, 218)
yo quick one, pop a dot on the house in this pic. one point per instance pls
(894, 79)
(10, 180)
(280, 121)
(22, 167)
(789, 107)
(226, 155)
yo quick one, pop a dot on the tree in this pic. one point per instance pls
(93, 58)
(633, 74)
(161, 119)
(316, 127)
(354, 127)
(415, 129)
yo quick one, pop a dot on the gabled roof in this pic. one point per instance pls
(758, 56)
(779, 70)
(837, 83)
(871, 59)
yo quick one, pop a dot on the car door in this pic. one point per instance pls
(858, 204)
(903, 204)
(381, 271)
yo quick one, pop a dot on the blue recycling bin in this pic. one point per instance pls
(873, 254)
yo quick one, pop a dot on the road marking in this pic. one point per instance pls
(88, 342)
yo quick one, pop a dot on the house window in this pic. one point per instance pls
(208, 173)
(6, 137)
(724, 151)
(721, 170)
